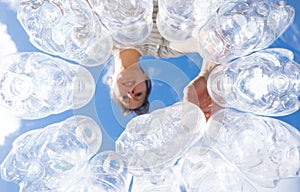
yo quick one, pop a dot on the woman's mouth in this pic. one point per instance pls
(128, 83)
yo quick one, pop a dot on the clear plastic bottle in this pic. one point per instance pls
(67, 28)
(240, 27)
(164, 181)
(129, 21)
(177, 20)
(106, 171)
(153, 142)
(34, 85)
(208, 171)
(49, 159)
(263, 149)
(265, 83)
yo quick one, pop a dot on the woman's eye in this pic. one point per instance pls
(125, 97)
(138, 94)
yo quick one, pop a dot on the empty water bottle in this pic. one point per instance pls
(240, 27)
(48, 159)
(209, 172)
(129, 21)
(67, 28)
(34, 85)
(265, 83)
(153, 142)
(166, 180)
(107, 171)
(177, 19)
(265, 150)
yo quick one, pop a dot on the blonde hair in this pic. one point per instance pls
(124, 109)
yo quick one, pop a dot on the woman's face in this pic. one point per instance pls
(130, 87)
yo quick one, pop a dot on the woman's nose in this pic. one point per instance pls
(130, 94)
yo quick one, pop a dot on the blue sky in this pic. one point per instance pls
(169, 77)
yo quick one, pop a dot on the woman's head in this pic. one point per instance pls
(135, 101)
(130, 88)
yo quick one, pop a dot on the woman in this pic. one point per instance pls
(130, 85)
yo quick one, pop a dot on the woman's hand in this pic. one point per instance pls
(196, 92)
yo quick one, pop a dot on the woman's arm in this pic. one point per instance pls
(196, 91)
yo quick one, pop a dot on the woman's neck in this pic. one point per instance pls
(129, 57)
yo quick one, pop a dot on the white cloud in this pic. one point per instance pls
(9, 124)
(7, 45)
(12, 3)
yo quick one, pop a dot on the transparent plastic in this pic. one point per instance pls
(165, 180)
(34, 85)
(48, 159)
(176, 20)
(263, 149)
(153, 142)
(128, 21)
(240, 27)
(209, 172)
(67, 28)
(265, 83)
(107, 171)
